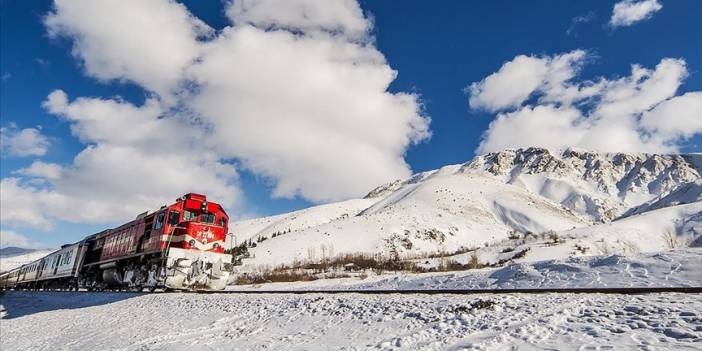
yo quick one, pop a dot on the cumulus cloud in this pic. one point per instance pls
(337, 16)
(294, 91)
(628, 12)
(635, 113)
(23, 142)
(9, 238)
(22, 206)
(40, 169)
(679, 117)
(289, 89)
(137, 157)
(519, 78)
(311, 112)
(147, 42)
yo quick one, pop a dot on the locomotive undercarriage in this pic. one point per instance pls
(135, 274)
(184, 270)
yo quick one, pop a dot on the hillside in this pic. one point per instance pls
(12, 257)
(603, 202)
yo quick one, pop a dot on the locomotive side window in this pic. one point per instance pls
(173, 217)
(207, 218)
(221, 222)
(159, 221)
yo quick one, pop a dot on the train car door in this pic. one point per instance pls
(56, 263)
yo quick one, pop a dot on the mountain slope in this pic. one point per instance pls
(600, 185)
(10, 259)
(492, 199)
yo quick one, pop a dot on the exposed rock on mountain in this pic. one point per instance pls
(495, 198)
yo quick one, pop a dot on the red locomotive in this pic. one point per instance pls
(180, 246)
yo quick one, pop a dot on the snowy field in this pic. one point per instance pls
(660, 269)
(122, 321)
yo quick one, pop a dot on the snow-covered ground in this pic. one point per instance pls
(121, 321)
(664, 269)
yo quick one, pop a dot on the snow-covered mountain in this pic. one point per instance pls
(600, 185)
(604, 202)
(12, 257)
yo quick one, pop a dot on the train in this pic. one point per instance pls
(180, 246)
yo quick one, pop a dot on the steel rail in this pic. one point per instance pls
(613, 290)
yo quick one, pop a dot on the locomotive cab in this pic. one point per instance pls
(194, 232)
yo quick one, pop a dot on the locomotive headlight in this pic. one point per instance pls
(191, 242)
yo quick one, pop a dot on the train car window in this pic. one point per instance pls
(173, 217)
(159, 221)
(222, 222)
(189, 215)
(207, 218)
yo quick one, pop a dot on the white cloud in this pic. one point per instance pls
(628, 12)
(41, 169)
(311, 112)
(308, 16)
(22, 206)
(137, 158)
(635, 113)
(23, 142)
(9, 238)
(577, 21)
(546, 126)
(679, 117)
(298, 95)
(518, 79)
(146, 42)
(294, 90)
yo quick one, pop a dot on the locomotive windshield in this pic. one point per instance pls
(189, 216)
(193, 216)
(207, 218)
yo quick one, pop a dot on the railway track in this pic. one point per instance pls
(620, 290)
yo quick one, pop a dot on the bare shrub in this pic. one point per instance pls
(474, 262)
(553, 237)
(604, 248)
(514, 235)
(582, 248)
(671, 240)
(274, 276)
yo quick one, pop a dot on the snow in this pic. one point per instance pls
(656, 230)
(684, 194)
(675, 268)
(11, 262)
(444, 212)
(568, 220)
(126, 321)
(604, 202)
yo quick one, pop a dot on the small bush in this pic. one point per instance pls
(582, 249)
(474, 262)
(514, 235)
(274, 277)
(670, 240)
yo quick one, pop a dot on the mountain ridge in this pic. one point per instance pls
(482, 202)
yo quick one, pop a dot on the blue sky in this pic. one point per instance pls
(437, 50)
